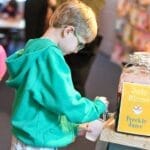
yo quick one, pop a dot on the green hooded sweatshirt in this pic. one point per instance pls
(47, 108)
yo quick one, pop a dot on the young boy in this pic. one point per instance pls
(47, 109)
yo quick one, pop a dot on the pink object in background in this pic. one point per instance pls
(2, 62)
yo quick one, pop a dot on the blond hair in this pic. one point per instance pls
(78, 15)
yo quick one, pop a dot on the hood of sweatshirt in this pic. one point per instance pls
(20, 64)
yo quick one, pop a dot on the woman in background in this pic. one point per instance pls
(37, 14)
(11, 9)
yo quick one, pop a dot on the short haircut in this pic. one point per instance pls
(78, 15)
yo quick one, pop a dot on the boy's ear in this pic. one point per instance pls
(67, 30)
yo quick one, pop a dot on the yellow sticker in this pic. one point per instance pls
(134, 115)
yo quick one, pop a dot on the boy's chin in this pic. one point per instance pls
(67, 53)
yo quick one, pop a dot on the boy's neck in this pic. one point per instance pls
(52, 34)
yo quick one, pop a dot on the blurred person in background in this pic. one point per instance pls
(10, 9)
(37, 15)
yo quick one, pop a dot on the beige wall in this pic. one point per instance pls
(107, 26)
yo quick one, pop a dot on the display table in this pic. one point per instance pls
(10, 23)
(109, 135)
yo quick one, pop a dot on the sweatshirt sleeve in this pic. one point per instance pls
(55, 91)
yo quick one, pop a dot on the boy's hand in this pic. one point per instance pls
(82, 129)
(103, 99)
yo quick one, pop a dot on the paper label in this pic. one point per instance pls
(134, 115)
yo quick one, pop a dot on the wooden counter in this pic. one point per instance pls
(109, 135)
